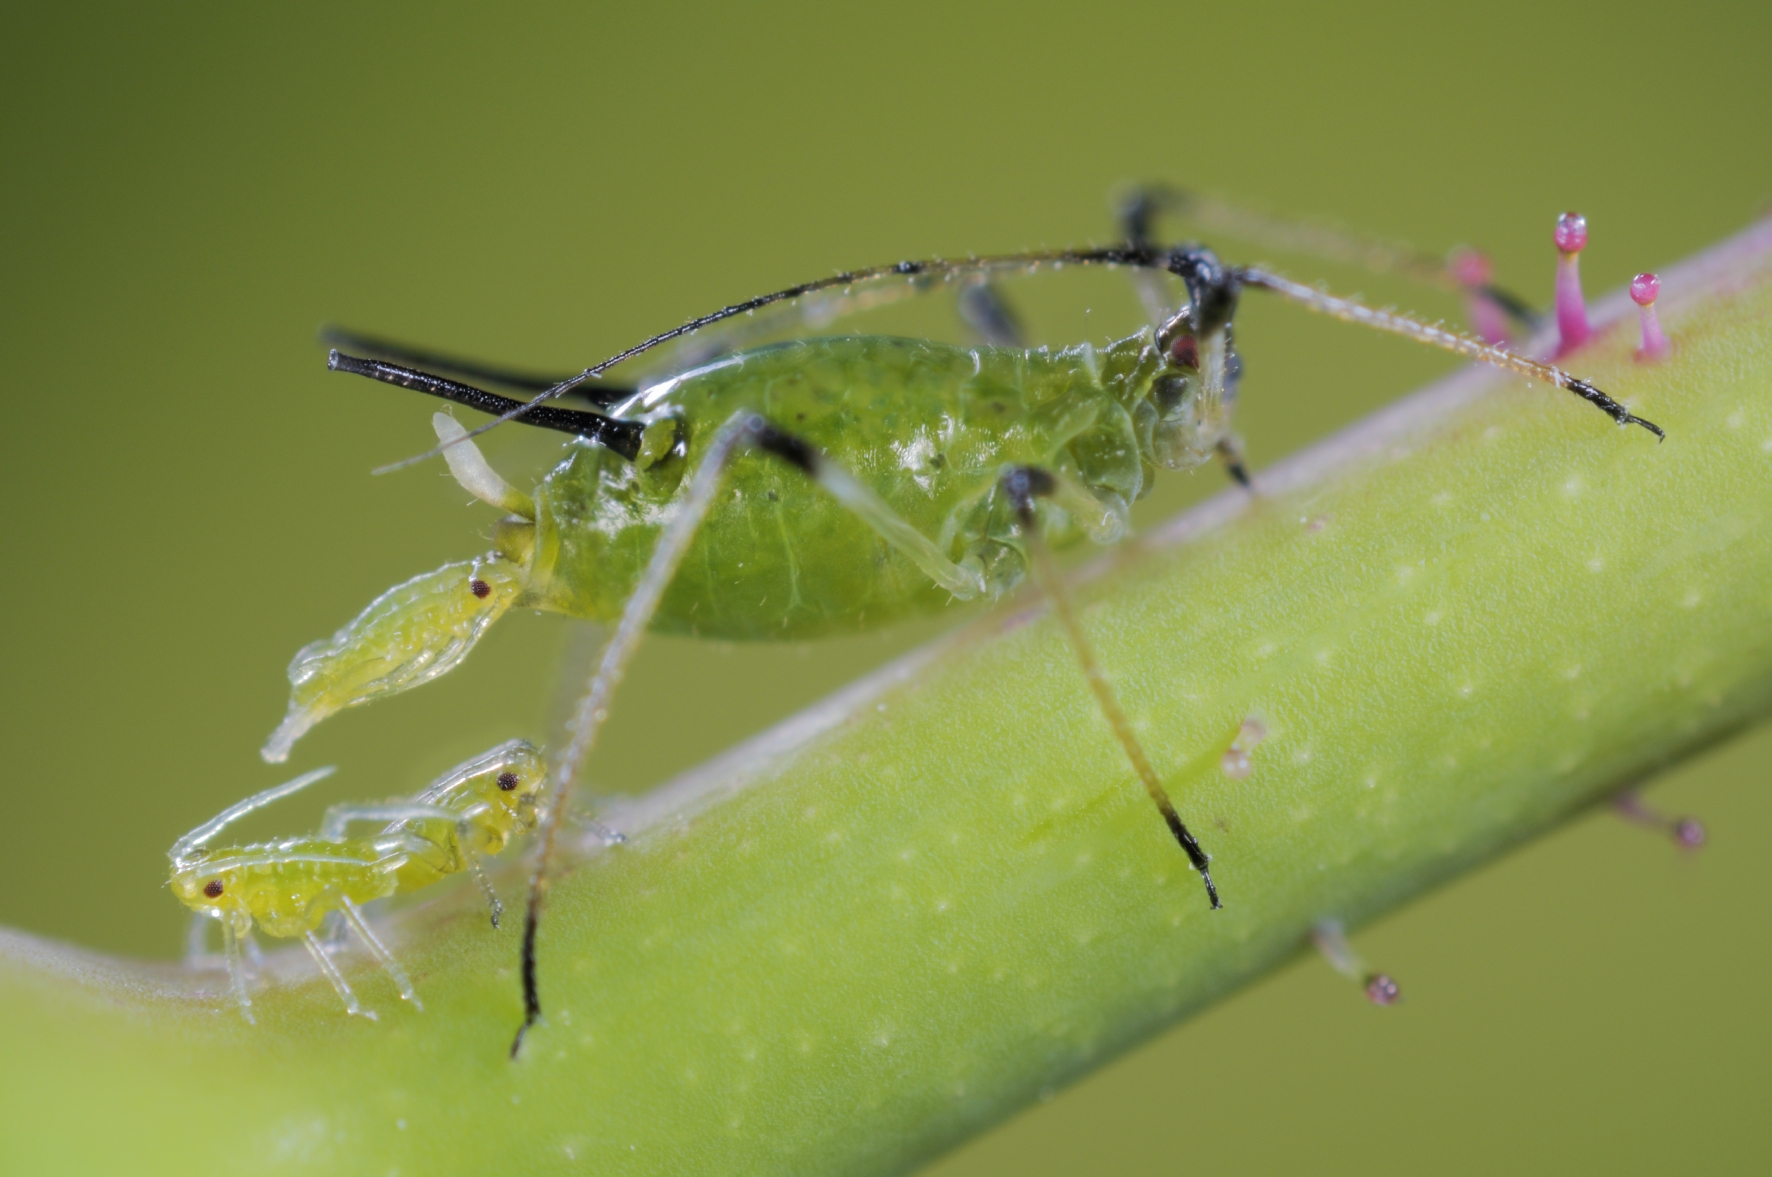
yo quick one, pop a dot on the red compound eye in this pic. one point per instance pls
(480, 588)
(213, 888)
(507, 781)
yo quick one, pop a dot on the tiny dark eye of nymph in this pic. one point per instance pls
(507, 781)
(213, 888)
(480, 588)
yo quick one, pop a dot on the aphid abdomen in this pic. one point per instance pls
(926, 426)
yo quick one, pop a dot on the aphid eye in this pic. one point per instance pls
(480, 588)
(1185, 352)
(213, 888)
(507, 781)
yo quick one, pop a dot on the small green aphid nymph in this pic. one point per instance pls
(830, 484)
(288, 888)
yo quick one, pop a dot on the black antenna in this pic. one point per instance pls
(621, 436)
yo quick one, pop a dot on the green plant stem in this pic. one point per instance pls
(892, 922)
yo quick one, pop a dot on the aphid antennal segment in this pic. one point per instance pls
(1644, 289)
(1572, 325)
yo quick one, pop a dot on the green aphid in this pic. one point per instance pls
(288, 888)
(830, 484)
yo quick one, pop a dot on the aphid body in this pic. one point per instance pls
(830, 484)
(288, 887)
(927, 426)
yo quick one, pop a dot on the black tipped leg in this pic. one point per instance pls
(531, 998)
(1612, 408)
(1230, 452)
(1191, 845)
(1022, 485)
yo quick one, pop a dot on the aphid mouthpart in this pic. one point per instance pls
(1644, 289)
(1572, 324)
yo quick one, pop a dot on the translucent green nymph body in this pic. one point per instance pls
(287, 888)
(927, 427)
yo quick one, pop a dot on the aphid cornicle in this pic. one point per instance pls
(287, 888)
(906, 473)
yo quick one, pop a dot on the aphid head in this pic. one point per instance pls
(1193, 391)
(512, 776)
(210, 885)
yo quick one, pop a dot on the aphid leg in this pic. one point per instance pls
(1458, 343)
(318, 952)
(1023, 485)
(1230, 452)
(340, 817)
(486, 889)
(1458, 273)
(744, 431)
(236, 974)
(1688, 833)
(197, 954)
(988, 313)
(1332, 942)
(593, 708)
(354, 916)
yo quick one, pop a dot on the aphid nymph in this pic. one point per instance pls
(287, 888)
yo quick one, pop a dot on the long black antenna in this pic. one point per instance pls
(1111, 256)
(1182, 261)
(602, 395)
(621, 436)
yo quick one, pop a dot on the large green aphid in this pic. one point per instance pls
(287, 888)
(908, 473)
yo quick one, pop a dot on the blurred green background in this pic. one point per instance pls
(188, 195)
